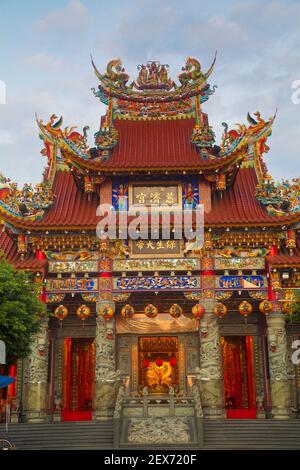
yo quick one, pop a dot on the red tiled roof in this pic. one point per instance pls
(235, 206)
(8, 247)
(71, 207)
(155, 145)
(284, 258)
(238, 204)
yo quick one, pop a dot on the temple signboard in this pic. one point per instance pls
(161, 264)
(157, 195)
(155, 248)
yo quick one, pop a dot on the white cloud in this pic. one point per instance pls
(6, 137)
(258, 59)
(73, 17)
(41, 60)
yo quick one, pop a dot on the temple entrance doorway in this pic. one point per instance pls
(158, 364)
(238, 376)
(78, 379)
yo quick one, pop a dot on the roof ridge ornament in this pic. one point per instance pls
(153, 94)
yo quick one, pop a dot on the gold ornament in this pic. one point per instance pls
(289, 307)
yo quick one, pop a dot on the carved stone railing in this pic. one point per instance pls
(145, 403)
(160, 415)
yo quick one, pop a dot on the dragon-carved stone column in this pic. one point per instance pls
(280, 369)
(209, 375)
(36, 391)
(107, 379)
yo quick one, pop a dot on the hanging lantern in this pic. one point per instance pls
(146, 363)
(245, 308)
(159, 362)
(175, 311)
(83, 312)
(151, 311)
(220, 310)
(265, 307)
(61, 312)
(127, 311)
(106, 309)
(198, 311)
(173, 361)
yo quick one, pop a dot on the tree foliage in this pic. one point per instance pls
(20, 311)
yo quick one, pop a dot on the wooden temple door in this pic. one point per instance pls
(238, 376)
(78, 379)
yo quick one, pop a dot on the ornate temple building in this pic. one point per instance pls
(143, 327)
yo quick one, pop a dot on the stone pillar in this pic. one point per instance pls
(36, 378)
(279, 366)
(107, 379)
(209, 376)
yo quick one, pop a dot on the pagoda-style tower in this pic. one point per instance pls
(192, 327)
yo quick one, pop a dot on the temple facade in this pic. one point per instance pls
(155, 326)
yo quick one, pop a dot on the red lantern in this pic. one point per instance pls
(173, 361)
(220, 310)
(61, 312)
(175, 311)
(159, 362)
(245, 308)
(83, 312)
(127, 311)
(198, 311)
(265, 307)
(145, 363)
(151, 311)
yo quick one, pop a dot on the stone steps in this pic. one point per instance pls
(218, 434)
(251, 434)
(71, 435)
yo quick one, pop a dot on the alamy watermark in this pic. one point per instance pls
(296, 354)
(296, 93)
(2, 92)
(154, 223)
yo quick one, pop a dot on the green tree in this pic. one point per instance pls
(20, 311)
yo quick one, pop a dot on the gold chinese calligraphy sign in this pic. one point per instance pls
(156, 194)
(155, 248)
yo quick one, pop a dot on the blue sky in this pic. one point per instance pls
(45, 47)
